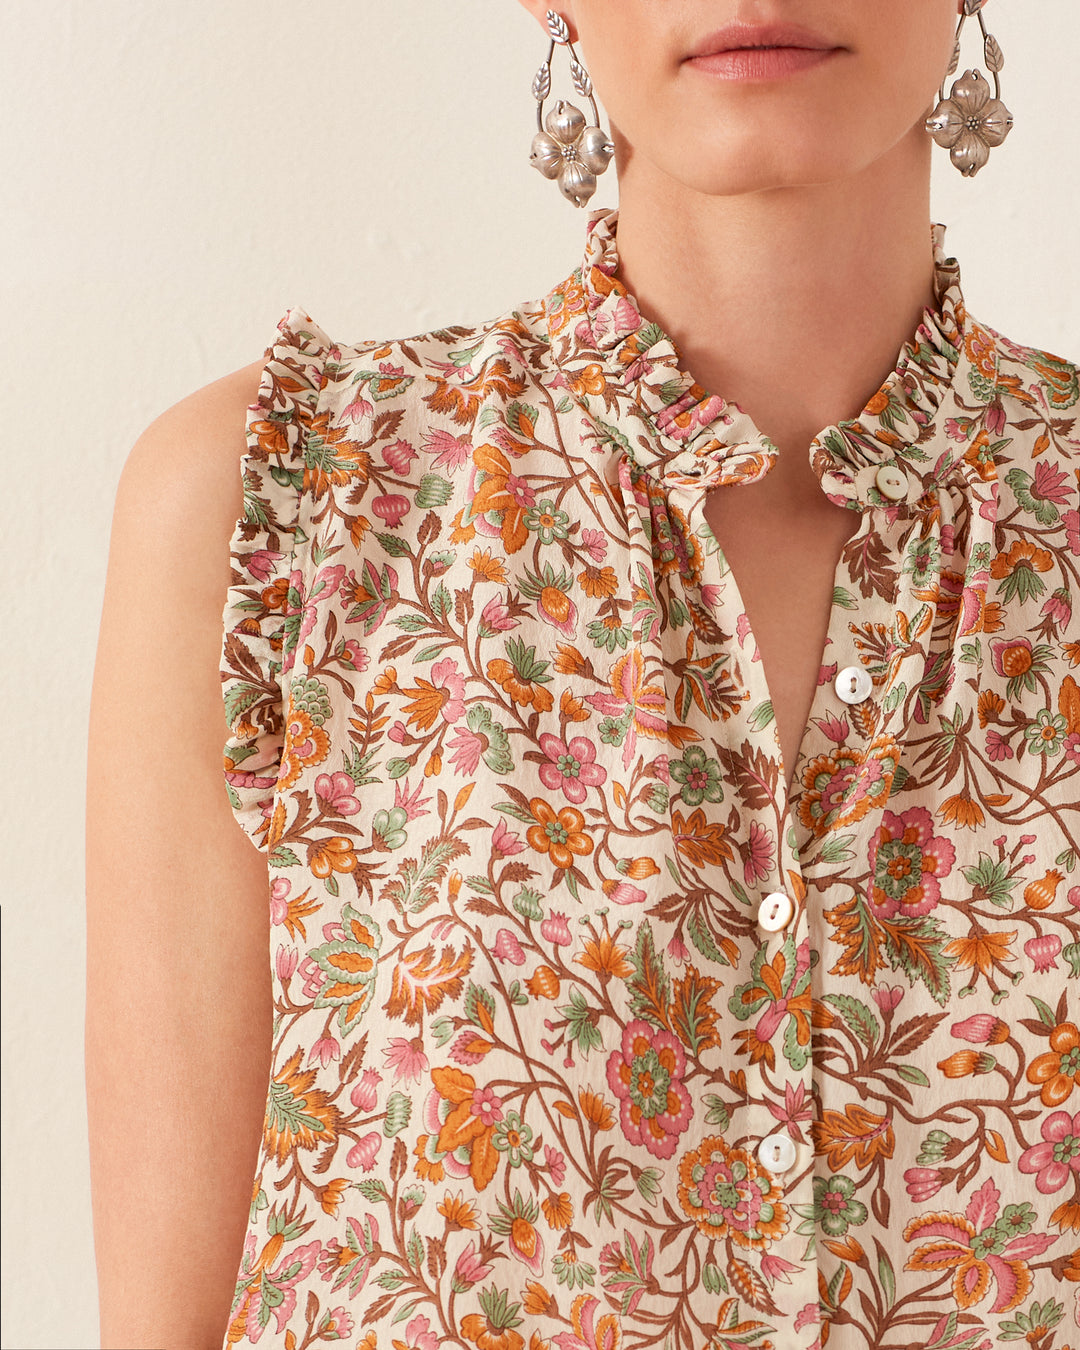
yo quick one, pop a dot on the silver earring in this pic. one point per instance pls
(969, 123)
(564, 147)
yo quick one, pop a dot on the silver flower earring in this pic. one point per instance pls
(565, 148)
(969, 123)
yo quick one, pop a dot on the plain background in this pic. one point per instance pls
(175, 177)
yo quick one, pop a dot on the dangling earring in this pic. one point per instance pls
(568, 149)
(969, 123)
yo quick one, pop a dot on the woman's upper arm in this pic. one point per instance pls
(179, 1010)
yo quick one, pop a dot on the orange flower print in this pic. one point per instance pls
(523, 676)
(589, 381)
(502, 491)
(981, 951)
(1058, 1070)
(469, 1118)
(839, 788)
(565, 303)
(558, 834)
(980, 1251)
(700, 840)
(856, 1135)
(331, 855)
(729, 1195)
(298, 1115)
(306, 743)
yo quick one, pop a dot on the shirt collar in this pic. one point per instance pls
(601, 340)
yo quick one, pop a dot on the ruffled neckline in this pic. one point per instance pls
(600, 339)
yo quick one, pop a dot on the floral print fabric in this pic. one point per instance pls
(499, 726)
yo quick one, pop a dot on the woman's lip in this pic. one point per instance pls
(741, 35)
(761, 63)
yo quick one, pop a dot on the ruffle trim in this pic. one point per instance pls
(262, 549)
(701, 439)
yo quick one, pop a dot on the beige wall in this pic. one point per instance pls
(176, 176)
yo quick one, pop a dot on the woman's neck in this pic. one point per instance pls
(791, 302)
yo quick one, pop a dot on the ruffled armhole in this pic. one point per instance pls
(262, 550)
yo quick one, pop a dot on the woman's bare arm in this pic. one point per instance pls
(178, 991)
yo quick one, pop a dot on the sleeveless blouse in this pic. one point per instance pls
(587, 1034)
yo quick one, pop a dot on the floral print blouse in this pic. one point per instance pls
(589, 1035)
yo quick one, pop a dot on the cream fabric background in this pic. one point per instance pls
(176, 176)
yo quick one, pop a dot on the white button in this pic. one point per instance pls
(775, 912)
(854, 684)
(891, 481)
(777, 1153)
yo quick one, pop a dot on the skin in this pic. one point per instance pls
(776, 226)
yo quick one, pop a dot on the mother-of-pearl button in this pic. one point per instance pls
(853, 684)
(891, 481)
(777, 1153)
(775, 912)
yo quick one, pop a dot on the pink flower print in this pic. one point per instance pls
(676, 948)
(504, 841)
(261, 563)
(323, 588)
(445, 675)
(486, 1105)
(469, 1270)
(366, 1092)
(556, 929)
(362, 414)
(995, 418)
(326, 1050)
(466, 747)
(418, 1335)
(336, 1325)
(888, 996)
(556, 1165)
(398, 456)
(354, 655)
(836, 728)
(451, 452)
(519, 489)
(622, 893)
(279, 898)
(335, 794)
(959, 428)
(391, 507)
(1071, 521)
(997, 747)
(1051, 483)
(776, 1268)
(364, 1152)
(276, 1290)
(570, 768)
(595, 544)
(1044, 951)
(645, 1073)
(407, 1059)
(908, 860)
(981, 1029)
(758, 856)
(1058, 607)
(412, 803)
(923, 1183)
(285, 962)
(495, 617)
(398, 733)
(507, 948)
(313, 976)
(794, 1112)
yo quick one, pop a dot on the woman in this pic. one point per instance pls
(662, 797)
